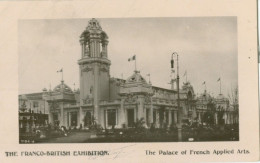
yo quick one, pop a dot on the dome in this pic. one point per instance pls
(221, 97)
(93, 24)
(136, 78)
(62, 87)
(93, 30)
(205, 96)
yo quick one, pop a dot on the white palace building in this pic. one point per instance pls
(112, 102)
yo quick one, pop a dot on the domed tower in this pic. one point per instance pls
(94, 66)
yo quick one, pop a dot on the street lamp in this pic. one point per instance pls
(179, 119)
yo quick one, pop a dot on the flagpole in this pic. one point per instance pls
(62, 74)
(179, 115)
(186, 76)
(205, 86)
(220, 86)
(135, 62)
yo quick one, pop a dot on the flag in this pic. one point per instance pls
(60, 70)
(131, 59)
(218, 79)
(203, 83)
(185, 73)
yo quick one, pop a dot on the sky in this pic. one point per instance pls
(207, 48)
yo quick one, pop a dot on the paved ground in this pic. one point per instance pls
(75, 137)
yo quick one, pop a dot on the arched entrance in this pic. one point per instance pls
(74, 119)
(87, 119)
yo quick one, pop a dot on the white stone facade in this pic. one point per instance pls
(111, 102)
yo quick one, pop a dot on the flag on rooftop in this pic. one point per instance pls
(60, 70)
(132, 58)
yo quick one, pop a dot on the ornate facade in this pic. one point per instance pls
(112, 102)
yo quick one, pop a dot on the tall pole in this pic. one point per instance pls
(179, 119)
(135, 63)
(186, 77)
(44, 106)
(220, 86)
(62, 75)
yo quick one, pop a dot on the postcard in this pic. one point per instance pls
(95, 81)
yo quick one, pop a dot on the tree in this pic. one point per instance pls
(209, 115)
(233, 96)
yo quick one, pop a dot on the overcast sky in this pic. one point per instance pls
(207, 48)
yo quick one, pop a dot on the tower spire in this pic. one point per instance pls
(94, 66)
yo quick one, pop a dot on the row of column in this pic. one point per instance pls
(172, 117)
(93, 48)
(228, 118)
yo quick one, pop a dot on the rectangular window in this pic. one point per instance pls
(130, 117)
(74, 119)
(154, 116)
(147, 115)
(173, 119)
(111, 117)
(35, 104)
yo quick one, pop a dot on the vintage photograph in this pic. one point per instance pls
(96, 80)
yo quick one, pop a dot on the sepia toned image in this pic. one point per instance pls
(128, 80)
(149, 81)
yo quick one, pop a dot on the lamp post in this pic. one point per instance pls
(179, 118)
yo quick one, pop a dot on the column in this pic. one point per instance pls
(151, 113)
(92, 48)
(101, 119)
(169, 117)
(227, 118)
(216, 118)
(105, 116)
(82, 48)
(199, 117)
(98, 48)
(61, 115)
(50, 118)
(225, 115)
(27, 125)
(121, 114)
(95, 48)
(157, 124)
(140, 108)
(86, 49)
(175, 117)
(232, 118)
(164, 116)
(81, 117)
(65, 118)
(104, 49)
(125, 116)
(69, 124)
(144, 115)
